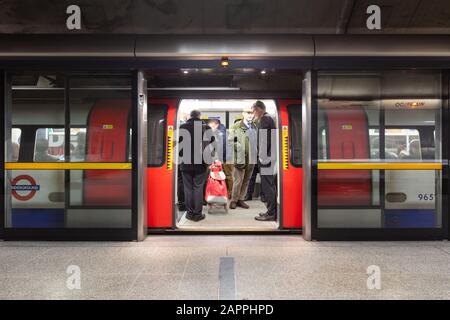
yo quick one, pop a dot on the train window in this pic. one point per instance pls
(402, 144)
(156, 126)
(77, 144)
(295, 134)
(49, 145)
(374, 143)
(16, 133)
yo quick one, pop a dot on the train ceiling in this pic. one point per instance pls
(226, 16)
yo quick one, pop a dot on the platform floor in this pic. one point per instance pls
(189, 267)
(238, 219)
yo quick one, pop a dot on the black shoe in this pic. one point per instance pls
(196, 217)
(248, 198)
(242, 204)
(189, 215)
(266, 218)
(199, 217)
(181, 207)
(263, 198)
(262, 214)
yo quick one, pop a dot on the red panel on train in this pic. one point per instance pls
(159, 179)
(348, 139)
(292, 177)
(107, 138)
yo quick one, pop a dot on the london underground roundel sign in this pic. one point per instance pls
(27, 191)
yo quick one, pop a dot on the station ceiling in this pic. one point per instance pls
(226, 16)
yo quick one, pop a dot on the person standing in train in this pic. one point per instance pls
(180, 188)
(242, 138)
(266, 161)
(251, 187)
(193, 166)
(220, 133)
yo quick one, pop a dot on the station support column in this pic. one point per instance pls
(307, 148)
(140, 154)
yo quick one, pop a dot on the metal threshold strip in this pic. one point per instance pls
(379, 166)
(67, 166)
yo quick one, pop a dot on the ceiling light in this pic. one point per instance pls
(224, 62)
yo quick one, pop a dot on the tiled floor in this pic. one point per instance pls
(187, 267)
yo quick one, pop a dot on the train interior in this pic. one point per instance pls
(223, 96)
(227, 112)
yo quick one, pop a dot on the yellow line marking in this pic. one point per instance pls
(67, 166)
(169, 147)
(285, 147)
(378, 166)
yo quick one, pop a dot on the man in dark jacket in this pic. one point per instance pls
(193, 166)
(266, 160)
(219, 133)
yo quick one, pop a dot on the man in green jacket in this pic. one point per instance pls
(242, 138)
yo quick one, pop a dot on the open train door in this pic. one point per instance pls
(291, 166)
(160, 125)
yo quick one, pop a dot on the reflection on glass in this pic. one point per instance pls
(77, 144)
(403, 144)
(34, 132)
(99, 198)
(15, 144)
(49, 145)
(100, 119)
(156, 130)
(339, 188)
(100, 128)
(99, 132)
(295, 133)
(391, 117)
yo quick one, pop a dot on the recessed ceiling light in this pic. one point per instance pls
(224, 62)
(185, 71)
(263, 71)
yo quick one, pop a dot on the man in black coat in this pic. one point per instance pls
(192, 165)
(266, 160)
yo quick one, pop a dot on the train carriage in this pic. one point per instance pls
(90, 144)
